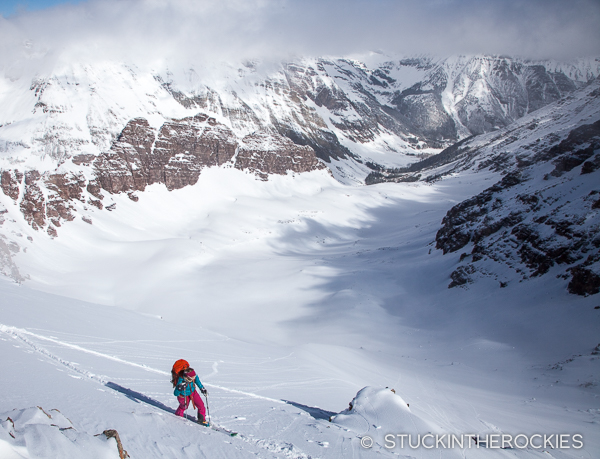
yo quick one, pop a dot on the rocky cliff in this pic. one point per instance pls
(536, 224)
(542, 217)
(173, 155)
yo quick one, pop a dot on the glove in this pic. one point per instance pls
(204, 391)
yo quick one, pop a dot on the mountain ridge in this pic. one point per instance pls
(343, 116)
(542, 216)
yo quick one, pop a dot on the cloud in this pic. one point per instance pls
(531, 28)
(201, 32)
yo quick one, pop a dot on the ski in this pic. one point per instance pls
(214, 427)
(231, 433)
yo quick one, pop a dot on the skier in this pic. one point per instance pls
(184, 380)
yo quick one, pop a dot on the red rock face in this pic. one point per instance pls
(182, 148)
(190, 145)
(66, 186)
(63, 188)
(11, 181)
(141, 156)
(266, 154)
(33, 206)
(95, 189)
(175, 157)
(125, 166)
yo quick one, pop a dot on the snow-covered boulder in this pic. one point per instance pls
(381, 410)
(35, 433)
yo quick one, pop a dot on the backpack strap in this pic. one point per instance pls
(187, 380)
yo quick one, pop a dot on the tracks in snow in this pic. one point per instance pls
(22, 335)
(283, 448)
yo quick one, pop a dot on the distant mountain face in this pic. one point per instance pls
(402, 106)
(84, 132)
(542, 217)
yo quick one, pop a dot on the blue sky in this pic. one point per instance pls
(8, 7)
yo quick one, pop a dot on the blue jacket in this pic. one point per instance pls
(184, 388)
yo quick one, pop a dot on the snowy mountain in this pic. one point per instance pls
(542, 217)
(405, 104)
(83, 130)
(152, 215)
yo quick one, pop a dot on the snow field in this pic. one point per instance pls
(288, 297)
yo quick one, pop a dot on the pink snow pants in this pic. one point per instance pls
(196, 401)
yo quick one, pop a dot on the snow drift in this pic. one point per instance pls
(34, 432)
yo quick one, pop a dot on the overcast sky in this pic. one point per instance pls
(231, 30)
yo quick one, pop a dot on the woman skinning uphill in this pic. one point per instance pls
(184, 381)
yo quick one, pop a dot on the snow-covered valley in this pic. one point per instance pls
(289, 296)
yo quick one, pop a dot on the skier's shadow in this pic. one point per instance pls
(138, 397)
(315, 412)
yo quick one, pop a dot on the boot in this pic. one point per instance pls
(202, 421)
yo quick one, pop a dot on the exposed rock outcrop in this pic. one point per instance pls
(33, 205)
(173, 155)
(11, 182)
(180, 150)
(62, 189)
(191, 144)
(265, 154)
(532, 222)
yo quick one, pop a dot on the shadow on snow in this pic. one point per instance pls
(315, 412)
(139, 397)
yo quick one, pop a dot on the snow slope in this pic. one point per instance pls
(106, 368)
(288, 297)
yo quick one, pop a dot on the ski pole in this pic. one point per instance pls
(207, 409)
